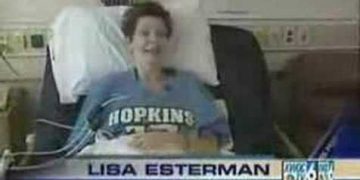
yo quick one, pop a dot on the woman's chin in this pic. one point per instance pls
(153, 61)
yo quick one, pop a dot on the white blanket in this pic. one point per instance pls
(120, 146)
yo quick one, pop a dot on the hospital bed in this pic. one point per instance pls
(247, 99)
(244, 87)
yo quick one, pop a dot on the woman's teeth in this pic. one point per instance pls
(152, 51)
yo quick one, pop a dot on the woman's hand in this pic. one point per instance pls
(202, 145)
(159, 143)
(169, 143)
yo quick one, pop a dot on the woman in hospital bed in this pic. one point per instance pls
(149, 109)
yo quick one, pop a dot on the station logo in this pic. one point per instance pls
(308, 170)
(326, 170)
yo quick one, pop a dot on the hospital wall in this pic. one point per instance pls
(290, 32)
(284, 28)
(36, 10)
(315, 25)
(20, 21)
(322, 38)
(312, 23)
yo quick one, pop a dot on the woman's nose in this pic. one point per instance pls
(153, 37)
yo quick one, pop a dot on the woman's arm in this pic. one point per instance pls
(87, 122)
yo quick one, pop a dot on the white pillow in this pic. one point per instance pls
(86, 45)
(191, 41)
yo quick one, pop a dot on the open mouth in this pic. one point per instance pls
(152, 49)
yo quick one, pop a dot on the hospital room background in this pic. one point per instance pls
(311, 50)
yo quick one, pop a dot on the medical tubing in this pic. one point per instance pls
(66, 147)
(55, 124)
(34, 167)
(81, 143)
(49, 163)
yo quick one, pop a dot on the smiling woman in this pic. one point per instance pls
(157, 108)
(148, 30)
(147, 46)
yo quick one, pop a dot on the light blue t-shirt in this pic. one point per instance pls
(122, 105)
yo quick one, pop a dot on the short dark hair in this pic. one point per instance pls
(139, 10)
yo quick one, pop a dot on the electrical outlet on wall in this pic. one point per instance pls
(303, 35)
(289, 35)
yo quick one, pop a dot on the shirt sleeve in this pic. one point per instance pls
(83, 132)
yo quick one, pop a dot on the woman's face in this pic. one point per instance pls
(149, 42)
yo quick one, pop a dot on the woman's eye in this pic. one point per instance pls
(161, 34)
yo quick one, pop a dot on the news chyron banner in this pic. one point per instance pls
(196, 169)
